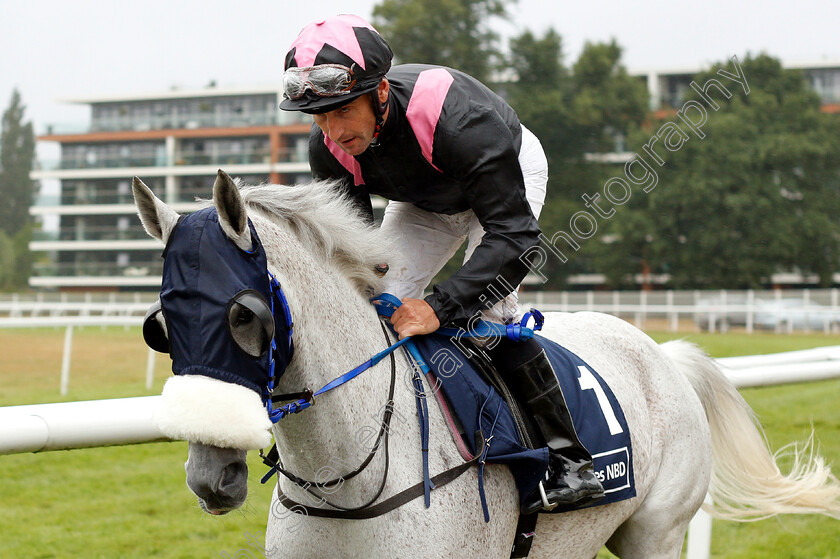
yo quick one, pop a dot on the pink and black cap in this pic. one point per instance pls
(344, 40)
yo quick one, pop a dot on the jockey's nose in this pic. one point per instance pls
(332, 127)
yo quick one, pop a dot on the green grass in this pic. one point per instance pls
(787, 414)
(131, 501)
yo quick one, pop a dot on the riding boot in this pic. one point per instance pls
(570, 479)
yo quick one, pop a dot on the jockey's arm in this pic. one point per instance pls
(486, 160)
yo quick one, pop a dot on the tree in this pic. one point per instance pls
(17, 151)
(759, 193)
(573, 114)
(451, 33)
(607, 101)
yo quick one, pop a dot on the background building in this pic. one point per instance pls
(668, 87)
(174, 141)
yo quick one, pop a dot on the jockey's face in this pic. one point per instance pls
(352, 126)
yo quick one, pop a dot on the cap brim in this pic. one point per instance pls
(312, 104)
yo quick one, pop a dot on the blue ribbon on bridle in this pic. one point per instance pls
(277, 296)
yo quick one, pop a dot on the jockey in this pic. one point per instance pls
(455, 163)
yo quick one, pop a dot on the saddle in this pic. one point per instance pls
(473, 390)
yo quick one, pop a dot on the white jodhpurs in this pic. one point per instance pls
(427, 240)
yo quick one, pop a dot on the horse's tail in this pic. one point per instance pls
(746, 483)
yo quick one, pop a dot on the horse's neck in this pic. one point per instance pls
(336, 329)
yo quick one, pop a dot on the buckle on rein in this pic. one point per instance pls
(302, 400)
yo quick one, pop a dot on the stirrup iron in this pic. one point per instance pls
(546, 505)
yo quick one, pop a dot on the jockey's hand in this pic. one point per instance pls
(414, 318)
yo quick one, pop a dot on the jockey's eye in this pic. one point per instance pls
(251, 323)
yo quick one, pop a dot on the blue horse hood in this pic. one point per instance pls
(203, 272)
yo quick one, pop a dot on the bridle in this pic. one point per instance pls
(272, 458)
(305, 399)
(278, 299)
(386, 304)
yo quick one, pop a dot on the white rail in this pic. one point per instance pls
(36, 428)
(128, 420)
(63, 426)
(781, 311)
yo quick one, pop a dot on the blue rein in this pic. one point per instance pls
(385, 305)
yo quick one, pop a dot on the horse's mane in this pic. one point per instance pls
(328, 223)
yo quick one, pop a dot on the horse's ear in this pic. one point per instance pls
(232, 215)
(158, 219)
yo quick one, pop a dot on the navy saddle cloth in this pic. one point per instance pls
(598, 418)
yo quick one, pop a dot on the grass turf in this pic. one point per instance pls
(131, 501)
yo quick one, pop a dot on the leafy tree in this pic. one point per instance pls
(15, 259)
(452, 33)
(17, 151)
(7, 261)
(607, 101)
(760, 193)
(542, 91)
(573, 113)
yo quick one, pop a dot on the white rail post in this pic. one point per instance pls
(806, 303)
(39, 300)
(150, 369)
(65, 360)
(750, 310)
(674, 316)
(15, 310)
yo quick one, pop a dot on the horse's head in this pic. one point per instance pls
(228, 334)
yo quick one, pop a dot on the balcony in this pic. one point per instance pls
(103, 233)
(177, 122)
(83, 196)
(184, 158)
(152, 268)
(188, 121)
(98, 162)
(240, 158)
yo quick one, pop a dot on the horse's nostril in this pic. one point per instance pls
(231, 478)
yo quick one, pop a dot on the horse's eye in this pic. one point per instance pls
(251, 323)
(243, 317)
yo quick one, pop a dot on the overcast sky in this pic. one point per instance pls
(55, 49)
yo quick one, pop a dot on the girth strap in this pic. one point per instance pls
(525, 532)
(390, 503)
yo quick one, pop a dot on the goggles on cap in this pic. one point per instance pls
(325, 80)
